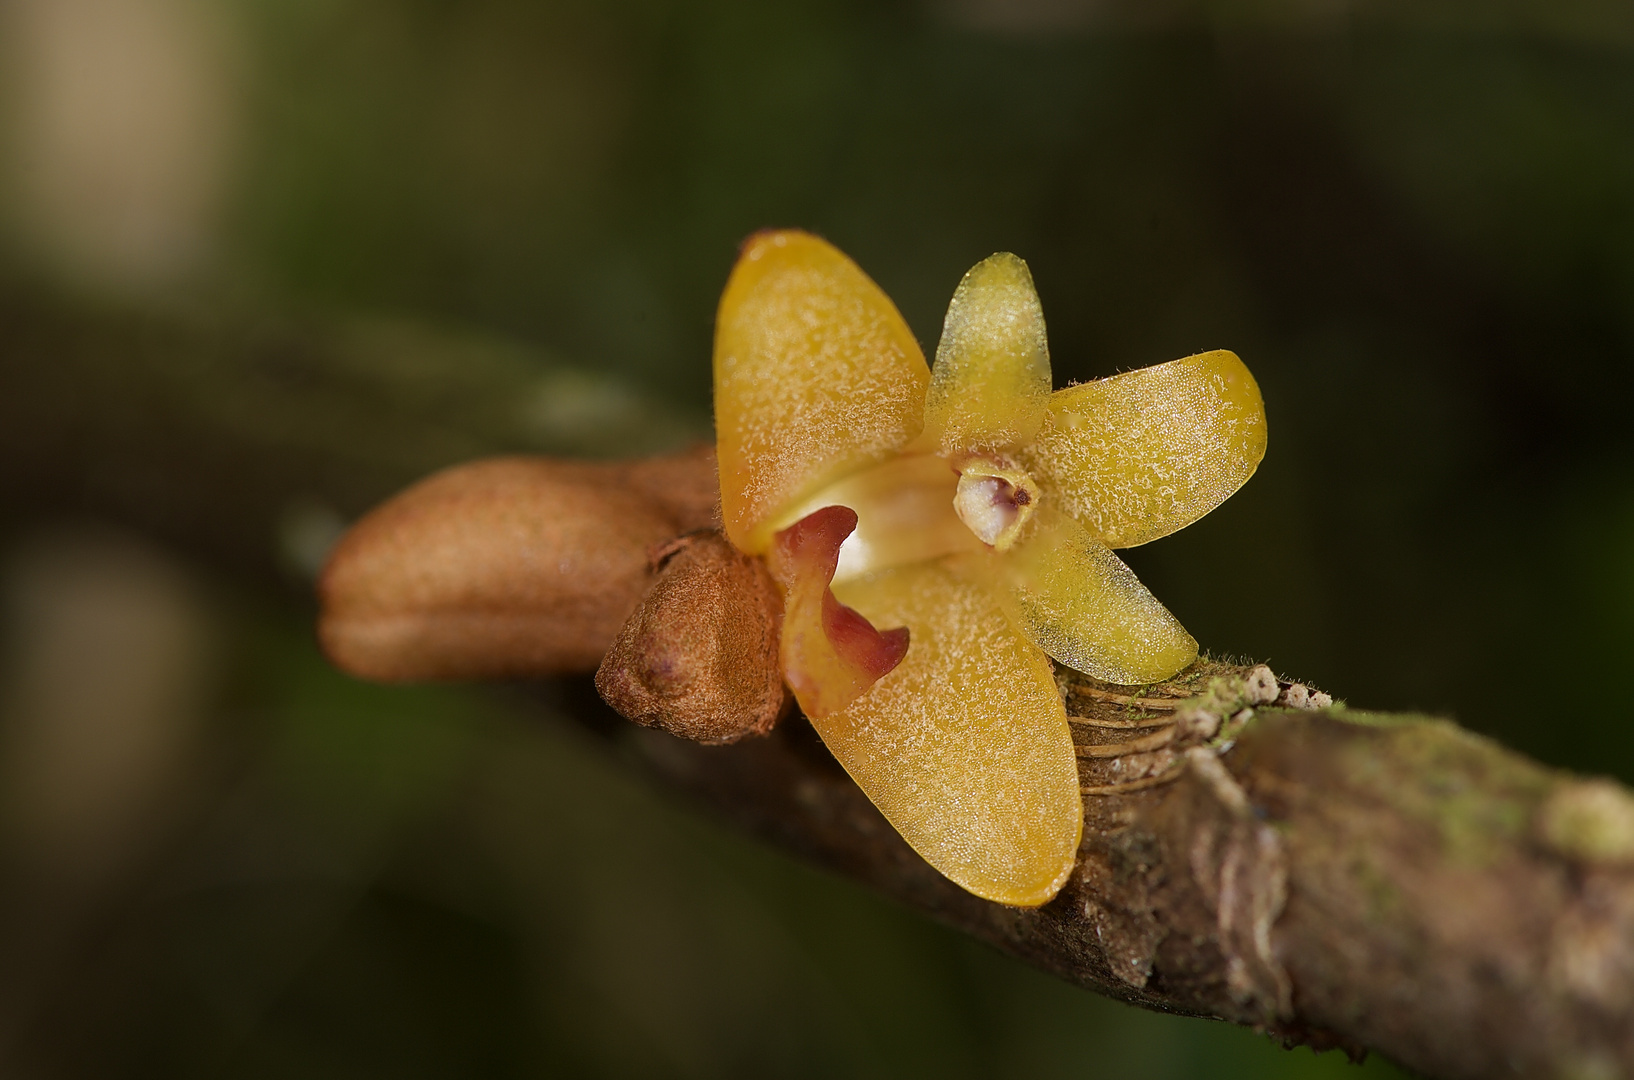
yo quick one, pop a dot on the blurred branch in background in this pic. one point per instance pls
(237, 438)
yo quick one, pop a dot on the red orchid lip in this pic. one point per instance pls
(831, 654)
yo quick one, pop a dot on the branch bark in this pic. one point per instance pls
(1335, 877)
(1332, 877)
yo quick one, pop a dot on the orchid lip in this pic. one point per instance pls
(829, 653)
(923, 506)
(905, 515)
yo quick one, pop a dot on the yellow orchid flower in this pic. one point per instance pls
(972, 511)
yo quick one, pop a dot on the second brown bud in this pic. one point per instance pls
(699, 657)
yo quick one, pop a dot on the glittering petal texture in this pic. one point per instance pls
(1140, 455)
(964, 746)
(991, 382)
(1077, 601)
(816, 376)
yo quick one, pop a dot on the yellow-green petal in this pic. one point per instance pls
(1142, 454)
(964, 746)
(991, 380)
(1078, 602)
(816, 376)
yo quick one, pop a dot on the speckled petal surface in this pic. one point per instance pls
(991, 381)
(816, 375)
(1140, 455)
(964, 746)
(1078, 602)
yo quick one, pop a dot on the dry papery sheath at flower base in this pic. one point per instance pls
(940, 533)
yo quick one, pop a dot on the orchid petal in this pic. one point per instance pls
(991, 382)
(1078, 602)
(1140, 455)
(965, 746)
(816, 375)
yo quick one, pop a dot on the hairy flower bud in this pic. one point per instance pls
(698, 658)
(505, 568)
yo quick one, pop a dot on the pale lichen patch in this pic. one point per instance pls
(1591, 821)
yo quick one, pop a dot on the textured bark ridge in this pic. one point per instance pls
(1330, 876)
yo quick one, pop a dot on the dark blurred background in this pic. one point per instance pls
(262, 263)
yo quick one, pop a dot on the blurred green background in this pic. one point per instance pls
(263, 262)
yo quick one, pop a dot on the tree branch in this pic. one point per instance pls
(1333, 877)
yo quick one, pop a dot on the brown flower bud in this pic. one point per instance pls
(698, 658)
(506, 568)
